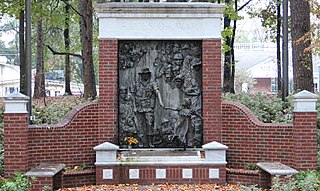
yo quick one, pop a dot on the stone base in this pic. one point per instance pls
(160, 166)
(157, 174)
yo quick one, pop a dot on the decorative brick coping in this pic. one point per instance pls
(81, 172)
(242, 171)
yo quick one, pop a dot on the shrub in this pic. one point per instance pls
(19, 182)
(54, 109)
(307, 181)
(287, 184)
(268, 108)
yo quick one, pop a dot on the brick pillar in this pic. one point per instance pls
(15, 134)
(108, 84)
(305, 131)
(211, 87)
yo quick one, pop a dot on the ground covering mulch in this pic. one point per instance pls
(158, 187)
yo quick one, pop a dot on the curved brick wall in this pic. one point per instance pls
(70, 142)
(251, 141)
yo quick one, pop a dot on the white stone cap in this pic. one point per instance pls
(106, 146)
(159, 21)
(164, 9)
(305, 95)
(16, 103)
(305, 101)
(199, 162)
(45, 170)
(277, 168)
(214, 146)
(16, 96)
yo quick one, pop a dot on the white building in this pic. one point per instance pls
(10, 81)
(260, 61)
(9, 78)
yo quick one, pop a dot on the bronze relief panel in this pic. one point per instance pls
(160, 93)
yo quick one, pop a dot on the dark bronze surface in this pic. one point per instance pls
(160, 93)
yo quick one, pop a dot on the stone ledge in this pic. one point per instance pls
(276, 168)
(202, 162)
(45, 170)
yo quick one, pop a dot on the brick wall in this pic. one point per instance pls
(251, 141)
(42, 183)
(15, 138)
(70, 142)
(211, 86)
(78, 179)
(261, 85)
(108, 85)
(305, 140)
(244, 177)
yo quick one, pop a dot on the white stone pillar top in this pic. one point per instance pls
(165, 9)
(106, 153)
(159, 21)
(106, 146)
(16, 103)
(215, 151)
(305, 101)
(214, 146)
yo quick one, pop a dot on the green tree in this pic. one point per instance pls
(230, 25)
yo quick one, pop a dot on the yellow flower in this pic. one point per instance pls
(131, 140)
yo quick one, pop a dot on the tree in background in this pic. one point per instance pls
(86, 30)
(270, 16)
(39, 82)
(66, 35)
(230, 25)
(302, 59)
(15, 8)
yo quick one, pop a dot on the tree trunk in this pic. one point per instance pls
(86, 40)
(228, 72)
(67, 69)
(39, 83)
(302, 61)
(22, 57)
(278, 39)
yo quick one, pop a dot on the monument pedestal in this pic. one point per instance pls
(148, 166)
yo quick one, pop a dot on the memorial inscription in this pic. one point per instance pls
(160, 101)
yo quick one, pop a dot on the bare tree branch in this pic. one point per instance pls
(244, 5)
(62, 53)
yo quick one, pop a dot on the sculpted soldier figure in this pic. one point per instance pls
(145, 93)
(127, 118)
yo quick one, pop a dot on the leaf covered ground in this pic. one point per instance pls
(158, 187)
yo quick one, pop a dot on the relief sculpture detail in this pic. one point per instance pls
(160, 101)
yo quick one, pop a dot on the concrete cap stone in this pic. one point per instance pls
(16, 96)
(277, 168)
(214, 146)
(106, 146)
(45, 170)
(305, 95)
